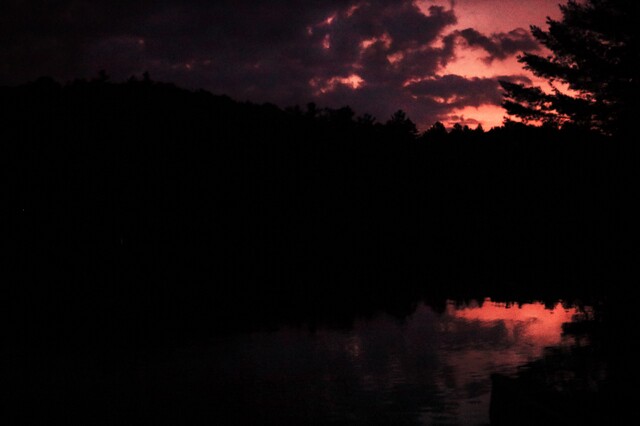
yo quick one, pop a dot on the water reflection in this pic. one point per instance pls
(431, 368)
(534, 324)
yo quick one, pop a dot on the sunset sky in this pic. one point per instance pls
(437, 60)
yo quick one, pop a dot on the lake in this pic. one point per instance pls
(432, 367)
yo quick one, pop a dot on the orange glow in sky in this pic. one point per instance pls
(490, 16)
(470, 62)
(475, 47)
(488, 115)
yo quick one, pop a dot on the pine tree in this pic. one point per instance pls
(402, 125)
(594, 53)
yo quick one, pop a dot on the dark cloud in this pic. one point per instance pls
(462, 120)
(500, 45)
(457, 92)
(515, 78)
(374, 55)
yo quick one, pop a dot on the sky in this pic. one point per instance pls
(436, 60)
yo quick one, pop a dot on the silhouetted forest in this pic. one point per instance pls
(139, 213)
(142, 190)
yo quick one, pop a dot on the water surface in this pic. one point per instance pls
(430, 368)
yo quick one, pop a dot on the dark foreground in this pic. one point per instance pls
(429, 366)
(141, 218)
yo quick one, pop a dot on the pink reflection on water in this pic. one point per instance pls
(432, 367)
(477, 339)
(531, 322)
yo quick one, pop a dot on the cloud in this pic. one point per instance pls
(286, 52)
(456, 91)
(515, 78)
(462, 120)
(500, 45)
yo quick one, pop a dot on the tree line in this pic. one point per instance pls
(145, 170)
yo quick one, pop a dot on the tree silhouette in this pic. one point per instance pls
(366, 120)
(436, 130)
(595, 49)
(402, 125)
(457, 128)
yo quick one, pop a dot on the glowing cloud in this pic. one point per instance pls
(384, 39)
(321, 86)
